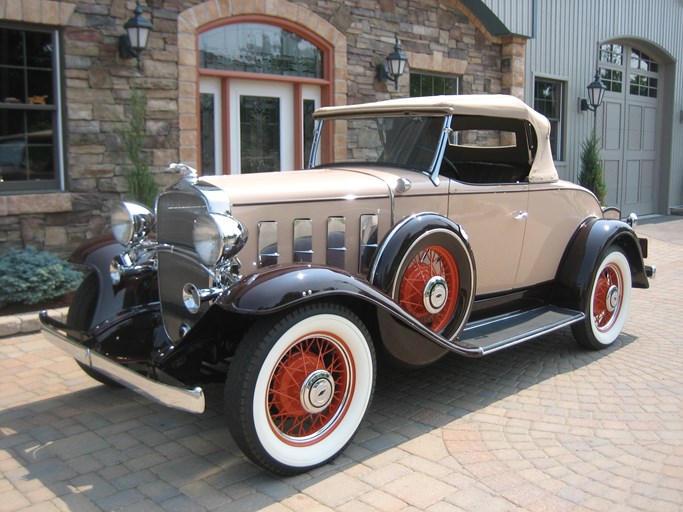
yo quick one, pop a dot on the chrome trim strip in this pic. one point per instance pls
(189, 400)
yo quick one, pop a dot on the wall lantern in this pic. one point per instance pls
(596, 91)
(134, 41)
(394, 67)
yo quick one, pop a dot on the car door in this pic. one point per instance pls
(494, 217)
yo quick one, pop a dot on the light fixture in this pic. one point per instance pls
(394, 67)
(596, 91)
(134, 41)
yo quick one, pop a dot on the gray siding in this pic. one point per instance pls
(564, 46)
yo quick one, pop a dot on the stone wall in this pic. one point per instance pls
(437, 36)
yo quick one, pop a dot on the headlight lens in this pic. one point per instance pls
(217, 236)
(131, 221)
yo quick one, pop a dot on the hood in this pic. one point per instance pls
(303, 186)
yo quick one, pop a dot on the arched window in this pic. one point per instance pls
(259, 48)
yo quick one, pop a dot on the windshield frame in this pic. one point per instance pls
(432, 171)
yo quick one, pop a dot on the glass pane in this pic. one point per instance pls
(12, 85)
(11, 47)
(259, 48)
(309, 128)
(259, 133)
(612, 53)
(546, 98)
(612, 79)
(39, 87)
(208, 142)
(39, 49)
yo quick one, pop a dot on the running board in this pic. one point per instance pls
(493, 334)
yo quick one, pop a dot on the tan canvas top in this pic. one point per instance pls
(496, 105)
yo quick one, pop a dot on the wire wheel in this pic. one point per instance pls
(607, 305)
(299, 386)
(607, 298)
(309, 389)
(429, 287)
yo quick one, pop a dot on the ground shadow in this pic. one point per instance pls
(113, 449)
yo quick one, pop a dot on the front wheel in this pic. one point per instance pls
(298, 387)
(607, 305)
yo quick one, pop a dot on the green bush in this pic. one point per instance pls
(592, 176)
(143, 189)
(28, 276)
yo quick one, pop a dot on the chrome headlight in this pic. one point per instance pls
(131, 222)
(217, 236)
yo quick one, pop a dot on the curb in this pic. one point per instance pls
(26, 323)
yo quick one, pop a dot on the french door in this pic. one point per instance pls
(256, 126)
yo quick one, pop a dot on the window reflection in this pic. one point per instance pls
(259, 48)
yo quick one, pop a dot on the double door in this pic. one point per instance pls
(255, 125)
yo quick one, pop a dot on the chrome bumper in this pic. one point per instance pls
(190, 400)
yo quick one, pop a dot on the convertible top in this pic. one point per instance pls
(494, 105)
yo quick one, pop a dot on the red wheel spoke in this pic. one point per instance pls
(307, 356)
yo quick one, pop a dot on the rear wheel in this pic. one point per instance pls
(80, 316)
(299, 386)
(607, 305)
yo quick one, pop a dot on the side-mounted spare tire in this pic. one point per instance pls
(426, 265)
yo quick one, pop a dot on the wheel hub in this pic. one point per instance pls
(612, 299)
(317, 391)
(435, 295)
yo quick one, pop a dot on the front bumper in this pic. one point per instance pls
(177, 397)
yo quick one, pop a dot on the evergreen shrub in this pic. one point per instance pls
(592, 176)
(28, 276)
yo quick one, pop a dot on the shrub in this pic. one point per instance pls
(141, 183)
(592, 176)
(28, 276)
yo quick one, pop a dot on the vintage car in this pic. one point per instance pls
(441, 227)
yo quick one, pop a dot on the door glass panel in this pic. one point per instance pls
(309, 126)
(207, 120)
(259, 133)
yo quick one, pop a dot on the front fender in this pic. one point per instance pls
(97, 255)
(279, 288)
(580, 260)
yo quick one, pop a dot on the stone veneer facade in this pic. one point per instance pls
(440, 37)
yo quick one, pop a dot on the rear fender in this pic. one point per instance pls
(580, 260)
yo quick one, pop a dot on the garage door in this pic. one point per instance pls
(628, 127)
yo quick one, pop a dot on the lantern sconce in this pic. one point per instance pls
(394, 66)
(596, 91)
(134, 41)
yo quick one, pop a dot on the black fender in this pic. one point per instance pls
(277, 289)
(97, 254)
(583, 254)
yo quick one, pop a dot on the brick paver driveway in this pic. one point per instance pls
(543, 426)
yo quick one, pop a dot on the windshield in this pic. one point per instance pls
(399, 141)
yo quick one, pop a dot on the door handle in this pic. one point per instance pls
(520, 215)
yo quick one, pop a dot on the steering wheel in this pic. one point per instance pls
(451, 165)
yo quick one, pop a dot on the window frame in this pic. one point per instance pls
(560, 121)
(431, 74)
(58, 181)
